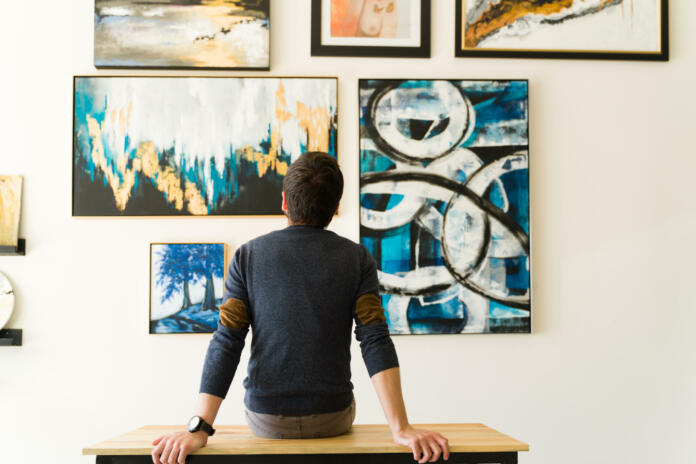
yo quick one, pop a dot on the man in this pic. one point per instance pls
(300, 289)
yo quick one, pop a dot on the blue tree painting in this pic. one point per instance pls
(186, 287)
(444, 194)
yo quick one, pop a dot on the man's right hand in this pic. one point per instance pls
(427, 446)
(173, 448)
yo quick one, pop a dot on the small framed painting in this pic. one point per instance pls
(371, 28)
(586, 29)
(175, 34)
(186, 285)
(10, 207)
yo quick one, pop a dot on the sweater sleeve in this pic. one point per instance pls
(227, 343)
(371, 328)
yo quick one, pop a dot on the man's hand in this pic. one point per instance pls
(173, 448)
(427, 446)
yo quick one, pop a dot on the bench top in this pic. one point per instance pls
(362, 439)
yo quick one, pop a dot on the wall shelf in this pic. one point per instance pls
(19, 250)
(11, 337)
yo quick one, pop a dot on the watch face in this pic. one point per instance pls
(194, 423)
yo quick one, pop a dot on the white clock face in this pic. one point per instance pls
(6, 300)
(194, 422)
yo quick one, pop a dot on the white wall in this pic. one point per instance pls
(607, 377)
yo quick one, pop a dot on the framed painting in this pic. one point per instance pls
(444, 203)
(10, 208)
(186, 285)
(7, 300)
(194, 146)
(386, 28)
(589, 29)
(175, 34)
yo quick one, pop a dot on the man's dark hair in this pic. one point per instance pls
(313, 187)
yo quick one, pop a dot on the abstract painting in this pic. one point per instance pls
(185, 286)
(163, 146)
(371, 28)
(600, 29)
(10, 207)
(175, 34)
(444, 196)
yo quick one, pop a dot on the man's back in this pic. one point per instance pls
(303, 283)
(299, 289)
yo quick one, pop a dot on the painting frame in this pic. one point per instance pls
(661, 55)
(150, 286)
(422, 51)
(531, 326)
(186, 76)
(267, 67)
(11, 190)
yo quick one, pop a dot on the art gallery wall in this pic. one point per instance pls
(609, 374)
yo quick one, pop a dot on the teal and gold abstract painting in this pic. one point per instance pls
(185, 287)
(444, 194)
(168, 146)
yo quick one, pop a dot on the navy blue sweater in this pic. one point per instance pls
(299, 289)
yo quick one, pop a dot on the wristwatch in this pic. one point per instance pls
(197, 423)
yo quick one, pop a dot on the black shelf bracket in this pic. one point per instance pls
(19, 250)
(11, 337)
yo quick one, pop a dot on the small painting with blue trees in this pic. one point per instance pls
(186, 281)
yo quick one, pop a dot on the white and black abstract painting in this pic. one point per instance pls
(444, 193)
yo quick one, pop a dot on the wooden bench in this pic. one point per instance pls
(365, 444)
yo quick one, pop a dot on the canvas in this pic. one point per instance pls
(6, 300)
(10, 207)
(608, 29)
(444, 195)
(163, 146)
(182, 34)
(186, 281)
(371, 28)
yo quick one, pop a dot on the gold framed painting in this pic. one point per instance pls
(585, 29)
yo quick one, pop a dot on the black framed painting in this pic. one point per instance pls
(194, 146)
(444, 203)
(371, 28)
(175, 34)
(585, 29)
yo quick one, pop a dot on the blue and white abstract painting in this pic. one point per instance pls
(186, 281)
(165, 146)
(444, 193)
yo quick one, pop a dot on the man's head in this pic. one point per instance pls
(312, 189)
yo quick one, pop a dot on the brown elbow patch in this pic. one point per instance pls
(369, 309)
(233, 314)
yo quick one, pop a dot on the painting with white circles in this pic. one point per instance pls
(444, 194)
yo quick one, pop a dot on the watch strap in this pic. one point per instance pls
(207, 428)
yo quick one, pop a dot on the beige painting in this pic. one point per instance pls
(10, 202)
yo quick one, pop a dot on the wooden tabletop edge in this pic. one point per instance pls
(140, 451)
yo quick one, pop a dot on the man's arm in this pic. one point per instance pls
(427, 446)
(219, 367)
(174, 448)
(382, 364)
